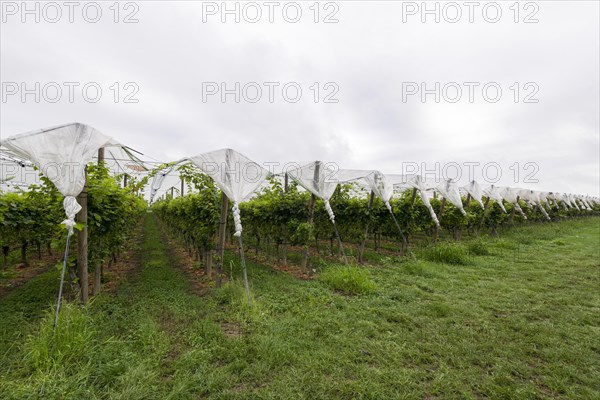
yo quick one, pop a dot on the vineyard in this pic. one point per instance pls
(291, 286)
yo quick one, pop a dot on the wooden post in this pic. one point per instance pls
(468, 201)
(82, 244)
(485, 206)
(512, 214)
(311, 213)
(125, 180)
(437, 228)
(98, 268)
(361, 247)
(182, 185)
(222, 233)
(284, 252)
(414, 197)
(172, 189)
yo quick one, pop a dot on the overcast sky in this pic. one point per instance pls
(374, 62)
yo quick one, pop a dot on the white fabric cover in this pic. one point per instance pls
(319, 181)
(536, 198)
(526, 195)
(511, 195)
(414, 182)
(374, 180)
(157, 181)
(572, 201)
(547, 199)
(533, 198)
(61, 153)
(585, 202)
(592, 201)
(380, 186)
(567, 200)
(551, 199)
(475, 191)
(493, 193)
(235, 174)
(449, 190)
(560, 197)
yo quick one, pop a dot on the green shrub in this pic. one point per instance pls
(478, 248)
(348, 279)
(447, 253)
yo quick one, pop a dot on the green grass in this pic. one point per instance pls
(348, 279)
(478, 247)
(447, 253)
(522, 321)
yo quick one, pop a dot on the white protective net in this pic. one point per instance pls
(370, 179)
(319, 180)
(475, 191)
(235, 174)
(61, 153)
(158, 181)
(585, 201)
(511, 195)
(401, 182)
(493, 193)
(449, 190)
(534, 199)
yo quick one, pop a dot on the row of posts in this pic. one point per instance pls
(82, 240)
(82, 234)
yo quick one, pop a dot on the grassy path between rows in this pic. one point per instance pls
(498, 326)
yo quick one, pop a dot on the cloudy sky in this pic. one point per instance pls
(368, 85)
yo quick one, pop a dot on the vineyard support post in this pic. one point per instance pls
(311, 213)
(437, 228)
(413, 199)
(284, 250)
(361, 248)
(485, 207)
(125, 180)
(182, 185)
(244, 270)
(468, 201)
(512, 214)
(222, 233)
(98, 268)
(82, 243)
(467, 204)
